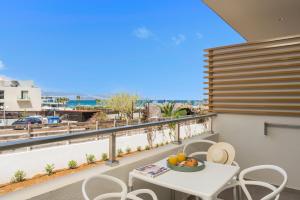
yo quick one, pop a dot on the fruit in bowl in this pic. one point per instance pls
(190, 162)
(181, 157)
(172, 160)
(182, 160)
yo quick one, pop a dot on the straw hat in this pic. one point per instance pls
(221, 152)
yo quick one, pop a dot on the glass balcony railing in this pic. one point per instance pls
(25, 98)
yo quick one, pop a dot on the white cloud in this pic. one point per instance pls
(180, 38)
(199, 35)
(142, 33)
(1, 65)
(5, 78)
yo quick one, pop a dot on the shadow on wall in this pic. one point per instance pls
(25, 105)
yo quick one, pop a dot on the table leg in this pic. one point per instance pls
(130, 183)
(240, 193)
(172, 194)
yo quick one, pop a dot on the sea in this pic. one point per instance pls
(140, 103)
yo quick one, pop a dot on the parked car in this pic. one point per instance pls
(22, 123)
(40, 117)
(54, 120)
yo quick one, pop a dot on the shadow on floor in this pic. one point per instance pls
(259, 192)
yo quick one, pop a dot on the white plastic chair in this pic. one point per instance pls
(234, 163)
(123, 195)
(198, 152)
(275, 190)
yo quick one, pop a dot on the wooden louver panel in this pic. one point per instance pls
(260, 78)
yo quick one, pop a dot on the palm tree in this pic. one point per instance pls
(78, 99)
(168, 110)
(62, 100)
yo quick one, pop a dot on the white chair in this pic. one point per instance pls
(234, 163)
(243, 183)
(123, 195)
(198, 152)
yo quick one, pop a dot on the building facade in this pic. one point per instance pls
(19, 96)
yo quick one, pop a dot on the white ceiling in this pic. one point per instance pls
(260, 19)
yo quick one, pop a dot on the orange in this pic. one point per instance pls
(181, 157)
(172, 160)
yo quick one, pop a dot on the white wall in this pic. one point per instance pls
(11, 95)
(281, 147)
(69, 186)
(34, 162)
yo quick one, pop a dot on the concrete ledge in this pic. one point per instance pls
(53, 188)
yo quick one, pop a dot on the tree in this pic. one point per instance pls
(168, 110)
(62, 100)
(78, 99)
(123, 103)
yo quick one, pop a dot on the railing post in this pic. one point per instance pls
(68, 128)
(177, 134)
(29, 130)
(97, 128)
(112, 161)
(115, 122)
(211, 125)
(68, 131)
(97, 125)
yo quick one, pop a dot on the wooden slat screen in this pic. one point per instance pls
(260, 78)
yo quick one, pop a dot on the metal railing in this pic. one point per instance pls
(111, 132)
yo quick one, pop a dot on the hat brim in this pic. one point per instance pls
(225, 146)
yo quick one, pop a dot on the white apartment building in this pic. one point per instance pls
(19, 96)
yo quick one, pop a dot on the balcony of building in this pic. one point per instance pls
(253, 103)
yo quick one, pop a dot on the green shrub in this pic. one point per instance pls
(90, 158)
(157, 145)
(19, 176)
(147, 147)
(139, 148)
(104, 156)
(120, 152)
(49, 169)
(72, 164)
(128, 150)
(161, 144)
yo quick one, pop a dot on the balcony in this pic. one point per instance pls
(23, 99)
(254, 104)
(69, 185)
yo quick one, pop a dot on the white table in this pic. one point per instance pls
(204, 184)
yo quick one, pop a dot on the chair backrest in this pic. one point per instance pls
(275, 190)
(122, 195)
(198, 152)
(117, 195)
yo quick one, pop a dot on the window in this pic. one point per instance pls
(1, 106)
(24, 94)
(1, 94)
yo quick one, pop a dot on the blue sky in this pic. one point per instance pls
(100, 47)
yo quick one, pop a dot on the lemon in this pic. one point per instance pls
(181, 157)
(172, 160)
